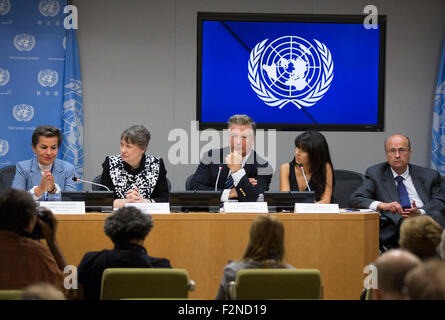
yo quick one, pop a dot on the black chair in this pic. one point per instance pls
(188, 182)
(6, 176)
(97, 180)
(346, 182)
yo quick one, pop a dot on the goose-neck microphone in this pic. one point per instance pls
(76, 179)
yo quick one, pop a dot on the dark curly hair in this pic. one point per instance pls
(128, 223)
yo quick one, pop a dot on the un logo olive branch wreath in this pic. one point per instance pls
(310, 99)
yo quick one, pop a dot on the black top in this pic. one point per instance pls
(293, 179)
(124, 255)
(160, 191)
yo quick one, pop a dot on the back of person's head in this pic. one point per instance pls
(421, 235)
(392, 266)
(17, 208)
(426, 282)
(266, 241)
(316, 146)
(128, 223)
(42, 291)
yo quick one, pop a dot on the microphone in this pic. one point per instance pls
(76, 179)
(304, 175)
(217, 178)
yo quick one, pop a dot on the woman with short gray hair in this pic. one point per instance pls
(132, 175)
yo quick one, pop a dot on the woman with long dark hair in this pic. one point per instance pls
(311, 155)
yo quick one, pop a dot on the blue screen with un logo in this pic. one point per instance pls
(315, 74)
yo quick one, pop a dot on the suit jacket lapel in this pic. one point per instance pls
(390, 185)
(418, 184)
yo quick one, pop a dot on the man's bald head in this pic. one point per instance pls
(392, 266)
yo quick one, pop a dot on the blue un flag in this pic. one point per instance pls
(438, 134)
(72, 110)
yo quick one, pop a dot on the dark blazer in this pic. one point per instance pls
(207, 172)
(379, 185)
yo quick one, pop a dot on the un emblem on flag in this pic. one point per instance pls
(4, 77)
(49, 8)
(23, 112)
(4, 147)
(24, 42)
(290, 69)
(5, 7)
(438, 133)
(48, 78)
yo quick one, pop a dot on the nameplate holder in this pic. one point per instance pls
(151, 208)
(245, 207)
(64, 207)
(316, 208)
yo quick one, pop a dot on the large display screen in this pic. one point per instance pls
(291, 72)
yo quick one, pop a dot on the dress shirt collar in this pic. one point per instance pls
(404, 175)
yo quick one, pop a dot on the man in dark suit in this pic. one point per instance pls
(399, 190)
(236, 171)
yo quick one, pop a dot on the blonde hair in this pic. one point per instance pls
(266, 241)
(420, 235)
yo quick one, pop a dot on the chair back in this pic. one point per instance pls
(346, 182)
(97, 180)
(188, 185)
(6, 176)
(10, 294)
(128, 283)
(260, 284)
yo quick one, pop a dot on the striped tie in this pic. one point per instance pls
(229, 182)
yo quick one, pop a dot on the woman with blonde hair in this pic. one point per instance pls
(265, 249)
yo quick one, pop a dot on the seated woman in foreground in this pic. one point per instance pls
(312, 155)
(132, 175)
(45, 176)
(264, 250)
(127, 228)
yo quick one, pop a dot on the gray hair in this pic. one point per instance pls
(137, 135)
(128, 223)
(242, 120)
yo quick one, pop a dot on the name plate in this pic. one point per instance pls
(245, 207)
(64, 207)
(151, 208)
(316, 208)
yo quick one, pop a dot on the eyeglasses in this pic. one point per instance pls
(401, 151)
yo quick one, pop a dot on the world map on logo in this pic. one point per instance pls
(4, 147)
(290, 66)
(4, 77)
(49, 8)
(290, 70)
(48, 78)
(24, 42)
(23, 112)
(5, 7)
